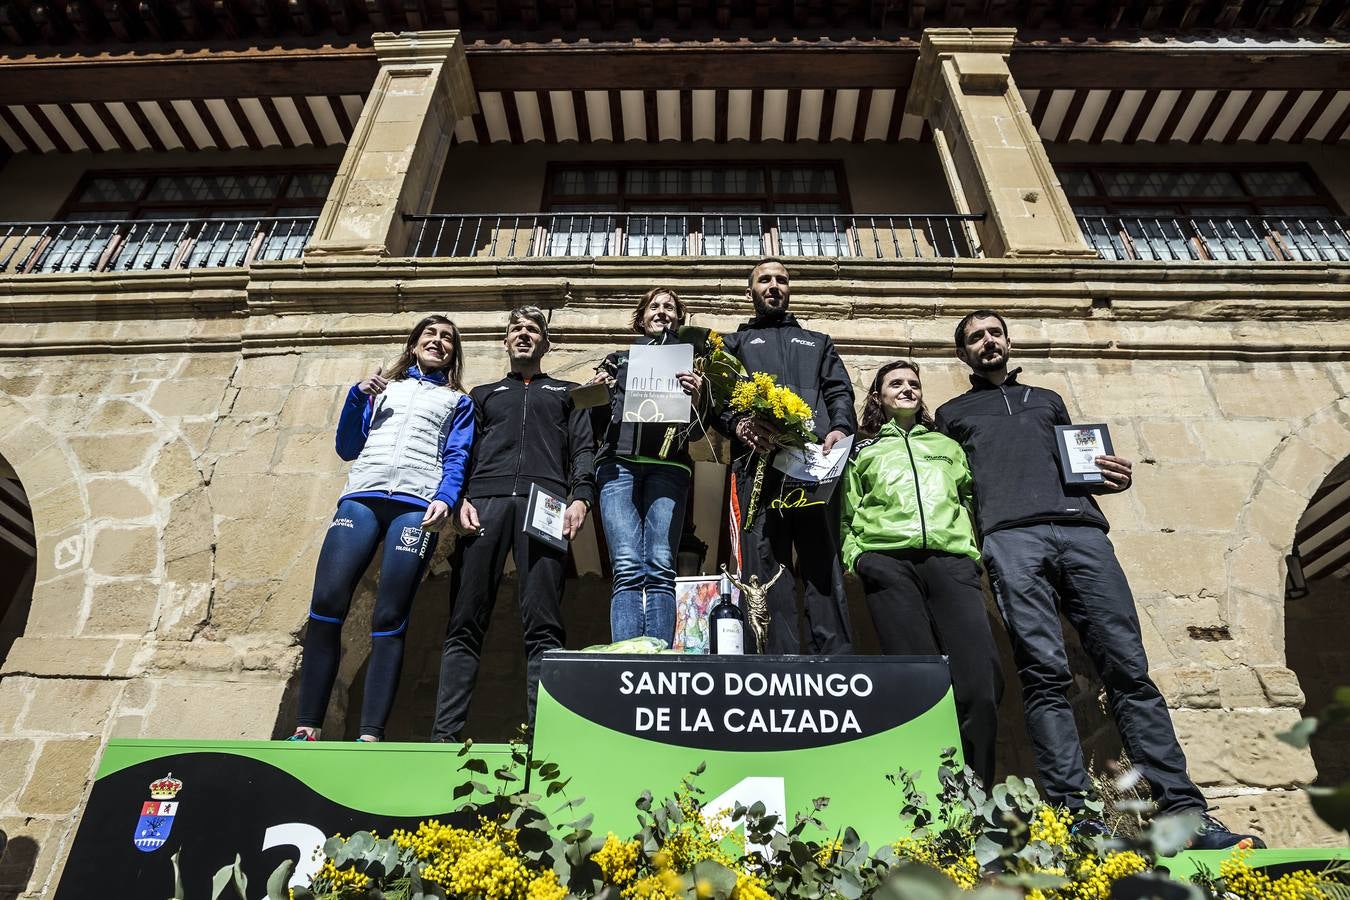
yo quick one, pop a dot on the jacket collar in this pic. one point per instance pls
(980, 383)
(433, 377)
(890, 429)
(516, 376)
(784, 321)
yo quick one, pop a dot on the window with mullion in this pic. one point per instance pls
(703, 203)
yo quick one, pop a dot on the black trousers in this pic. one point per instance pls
(925, 603)
(1037, 571)
(478, 562)
(813, 531)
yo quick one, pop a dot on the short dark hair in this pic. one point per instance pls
(651, 295)
(750, 279)
(977, 314)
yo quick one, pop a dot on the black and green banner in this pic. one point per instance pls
(782, 730)
(265, 800)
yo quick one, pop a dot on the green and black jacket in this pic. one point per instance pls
(907, 492)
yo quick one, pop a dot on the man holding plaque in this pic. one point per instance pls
(530, 485)
(1044, 544)
(783, 521)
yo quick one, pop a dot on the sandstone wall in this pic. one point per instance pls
(174, 435)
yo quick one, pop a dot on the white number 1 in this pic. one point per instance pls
(767, 790)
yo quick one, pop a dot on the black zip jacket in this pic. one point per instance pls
(1008, 433)
(805, 361)
(619, 438)
(530, 433)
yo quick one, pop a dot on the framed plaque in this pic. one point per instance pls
(544, 518)
(1078, 446)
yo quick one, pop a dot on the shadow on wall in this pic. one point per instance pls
(18, 858)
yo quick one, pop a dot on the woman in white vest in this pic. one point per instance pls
(410, 434)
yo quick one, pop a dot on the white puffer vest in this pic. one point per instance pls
(408, 428)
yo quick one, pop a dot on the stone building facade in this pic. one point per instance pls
(171, 429)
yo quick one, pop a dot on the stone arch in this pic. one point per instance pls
(60, 512)
(1265, 529)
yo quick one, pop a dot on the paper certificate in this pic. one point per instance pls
(652, 393)
(544, 517)
(810, 464)
(1079, 446)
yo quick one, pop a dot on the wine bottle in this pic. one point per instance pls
(726, 624)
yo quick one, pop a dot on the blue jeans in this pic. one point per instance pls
(642, 508)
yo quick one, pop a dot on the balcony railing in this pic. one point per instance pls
(1223, 238)
(144, 244)
(561, 234)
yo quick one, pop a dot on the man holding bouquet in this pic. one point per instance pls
(765, 532)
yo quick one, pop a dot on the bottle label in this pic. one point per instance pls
(730, 638)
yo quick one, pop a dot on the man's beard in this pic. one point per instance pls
(990, 365)
(765, 311)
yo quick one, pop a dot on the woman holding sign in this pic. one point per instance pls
(908, 534)
(643, 470)
(409, 433)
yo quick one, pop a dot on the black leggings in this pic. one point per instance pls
(357, 528)
(923, 603)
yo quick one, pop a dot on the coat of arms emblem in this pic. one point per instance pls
(157, 813)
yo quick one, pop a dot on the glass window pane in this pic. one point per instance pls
(805, 181)
(1077, 183)
(656, 235)
(1309, 233)
(113, 189)
(812, 229)
(80, 246)
(576, 182)
(1141, 184)
(1279, 183)
(726, 234)
(696, 181)
(581, 230)
(310, 184)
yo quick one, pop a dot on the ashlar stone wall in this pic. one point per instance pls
(174, 436)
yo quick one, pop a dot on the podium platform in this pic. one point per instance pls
(781, 730)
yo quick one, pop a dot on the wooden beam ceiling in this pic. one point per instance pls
(105, 24)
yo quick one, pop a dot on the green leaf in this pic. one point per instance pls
(277, 884)
(1332, 805)
(556, 787)
(240, 880)
(1171, 833)
(220, 880)
(1034, 880)
(719, 877)
(1300, 734)
(549, 771)
(476, 764)
(463, 790)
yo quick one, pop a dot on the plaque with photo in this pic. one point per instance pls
(544, 518)
(1079, 446)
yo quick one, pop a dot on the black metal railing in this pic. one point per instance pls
(143, 244)
(1223, 238)
(561, 234)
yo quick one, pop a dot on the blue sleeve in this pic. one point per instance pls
(455, 458)
(353, 424)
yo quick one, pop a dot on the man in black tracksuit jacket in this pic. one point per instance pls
(1045, 548)
(806, 362)
(528, 431)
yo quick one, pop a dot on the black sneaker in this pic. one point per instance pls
(1089, 827)
(1214, 835)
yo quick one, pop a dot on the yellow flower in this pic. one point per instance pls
(1243, 882)
(715, 340)
(750, 887)
(617, 860)
(1051, 826)
(545, 886)
(338, 880)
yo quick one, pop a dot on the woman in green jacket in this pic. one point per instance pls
(908, 534)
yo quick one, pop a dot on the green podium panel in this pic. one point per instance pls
(266, 800)
(782, 730)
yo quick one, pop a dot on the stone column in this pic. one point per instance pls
(394, 159)
(990, 151)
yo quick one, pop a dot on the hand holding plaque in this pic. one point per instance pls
(1079, 448)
